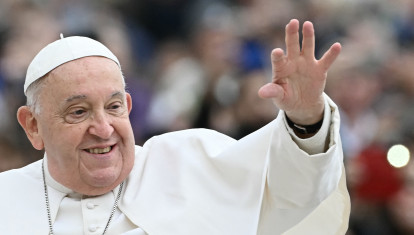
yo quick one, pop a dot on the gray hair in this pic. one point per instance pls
(33, 94)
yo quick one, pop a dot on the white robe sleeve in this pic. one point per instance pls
(321, 141)
(305, 190)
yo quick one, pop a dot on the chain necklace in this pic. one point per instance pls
(48, 207)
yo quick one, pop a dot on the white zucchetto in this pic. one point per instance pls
(63, 51)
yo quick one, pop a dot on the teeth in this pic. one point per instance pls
(99, 150)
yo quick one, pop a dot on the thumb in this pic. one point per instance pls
(273, 91)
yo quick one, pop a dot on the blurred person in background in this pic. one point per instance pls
(28, 29)
(251, 113)
(178, 89)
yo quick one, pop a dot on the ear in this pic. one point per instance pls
(29, 123)
(129, 102)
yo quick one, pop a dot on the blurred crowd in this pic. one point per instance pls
(199, 64)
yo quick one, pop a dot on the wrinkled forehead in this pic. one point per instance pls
(63, 51)
(88, 64)
(91, 72)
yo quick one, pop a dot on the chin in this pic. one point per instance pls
(102, 181)
(102, 178)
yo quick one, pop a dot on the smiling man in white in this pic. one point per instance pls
(286, 178)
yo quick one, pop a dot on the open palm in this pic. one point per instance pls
(298, 77)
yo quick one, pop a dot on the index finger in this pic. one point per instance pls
(278, 63)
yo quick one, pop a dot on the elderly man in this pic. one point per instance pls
(286, 178)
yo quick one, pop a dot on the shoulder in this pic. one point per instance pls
(194, 133)
(17, 179)
(21, 200)
(206, 140)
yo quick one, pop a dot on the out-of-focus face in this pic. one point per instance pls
(84, 125)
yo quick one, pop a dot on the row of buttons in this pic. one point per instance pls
(96, 211)
(93, 227)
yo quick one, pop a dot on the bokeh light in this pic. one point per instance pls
(398, 156)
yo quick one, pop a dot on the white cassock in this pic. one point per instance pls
(197, 182)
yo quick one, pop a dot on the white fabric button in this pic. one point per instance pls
(92, 228)
(90, 205)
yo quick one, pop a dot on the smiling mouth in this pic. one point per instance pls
(99, 150)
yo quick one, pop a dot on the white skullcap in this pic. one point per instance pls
(62, 51)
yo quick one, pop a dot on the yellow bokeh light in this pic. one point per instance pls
(398, 155)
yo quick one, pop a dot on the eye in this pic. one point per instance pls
(78, 112)
(116, 108)
(76, 115)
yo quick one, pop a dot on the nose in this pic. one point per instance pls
(101, 126)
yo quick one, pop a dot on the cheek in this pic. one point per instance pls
(123, 128)
(126, 134)
(63, 137)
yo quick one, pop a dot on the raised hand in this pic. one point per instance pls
(298, 77)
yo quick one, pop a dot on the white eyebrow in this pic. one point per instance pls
(75, 97)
